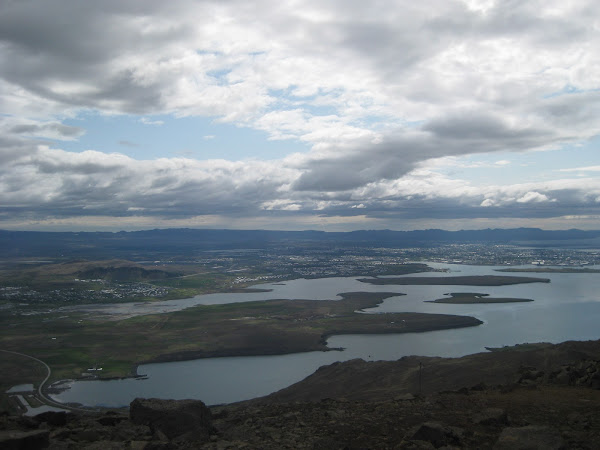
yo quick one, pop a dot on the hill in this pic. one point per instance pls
(106, 245)
(114, 270)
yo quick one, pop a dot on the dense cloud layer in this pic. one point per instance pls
(380, 91)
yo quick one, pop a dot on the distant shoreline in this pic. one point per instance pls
(469, 280)
(549, 270)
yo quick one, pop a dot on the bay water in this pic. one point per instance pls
(567, 308)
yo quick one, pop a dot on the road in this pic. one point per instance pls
(40, 390)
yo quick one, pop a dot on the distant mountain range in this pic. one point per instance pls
(185, 241)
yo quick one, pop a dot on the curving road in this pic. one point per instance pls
(40, 389)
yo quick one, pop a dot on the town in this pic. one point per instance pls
(230, 269)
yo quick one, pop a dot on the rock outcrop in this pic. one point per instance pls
(188, 420)
(583, 373)
(21, 440)
(530, 437)
(536, 417)
(436, 434)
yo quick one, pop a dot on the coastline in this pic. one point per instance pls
(276, 317)
(461, 280)
(388, 323)
(256, 328)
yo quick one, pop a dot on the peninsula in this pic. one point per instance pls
(70, 344)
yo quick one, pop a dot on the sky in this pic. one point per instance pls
(291, 115)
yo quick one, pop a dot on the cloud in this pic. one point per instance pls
(90, 182)
(397, 154)
(582, 169)
(50, 182)
(404, 61)
(280, 205)
(533, 197)
(377, 91)
(52, 130)
(147, 121)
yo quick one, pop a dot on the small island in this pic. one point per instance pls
(467, 298)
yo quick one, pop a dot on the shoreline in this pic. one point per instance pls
(445, 322)
(492, 355)
(275, 317)
(367, 324)
(549, 270)
(460, 280)
(257, 328)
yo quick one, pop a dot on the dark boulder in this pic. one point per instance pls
(491, 416)
(437, 434)
(53, 418)
(31, 440)
(529, 438)
(28, 422)
(110, 419)
(173, 418)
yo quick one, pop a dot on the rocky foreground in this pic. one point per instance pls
(549, 398)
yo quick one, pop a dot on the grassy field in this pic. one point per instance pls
(201, 283)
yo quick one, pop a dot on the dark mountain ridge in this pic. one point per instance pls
(185, 240)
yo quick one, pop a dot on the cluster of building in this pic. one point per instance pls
(107, 293)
